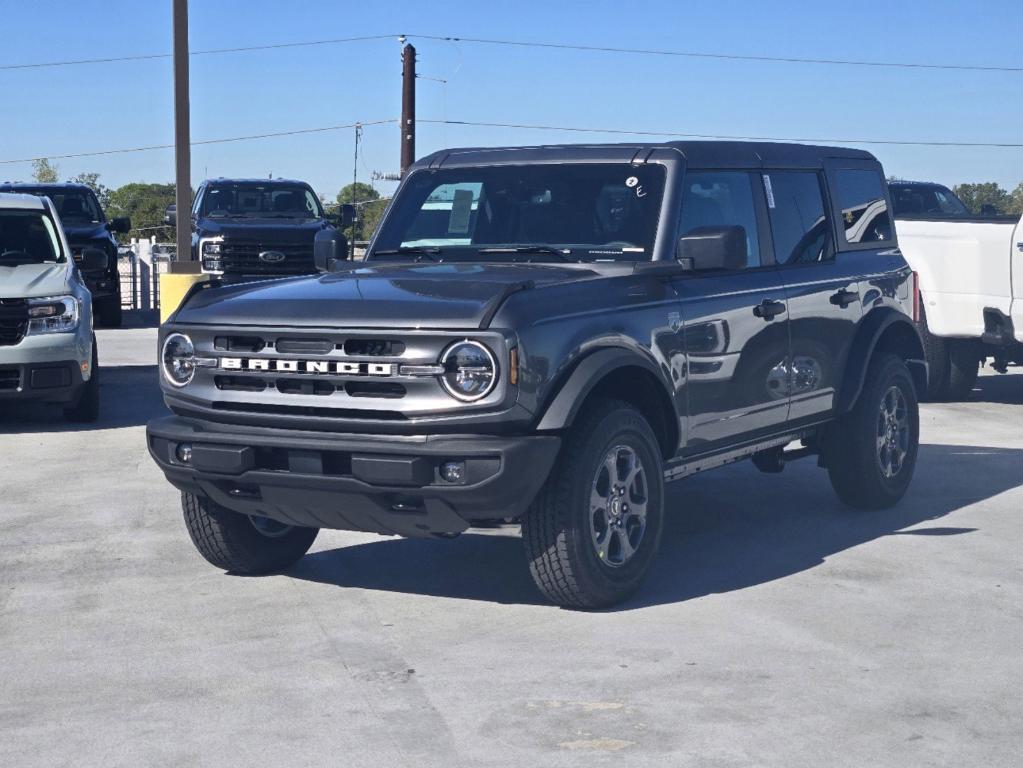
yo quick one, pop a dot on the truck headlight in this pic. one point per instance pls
(470, 370)
(178, 359)
(211, 260)
(53, 314)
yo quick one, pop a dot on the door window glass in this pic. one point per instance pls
(795, 205)
(721, 200)
(864, 209)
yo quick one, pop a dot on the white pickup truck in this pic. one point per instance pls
(970, 277)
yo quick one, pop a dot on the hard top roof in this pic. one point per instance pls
(697, 154)
(56, 186)
(224, 180)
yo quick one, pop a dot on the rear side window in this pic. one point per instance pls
(861, 199)
(721, 200)
(795, 205)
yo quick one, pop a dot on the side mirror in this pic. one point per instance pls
(988, 210)
(330, 248)
(345, 215)
(93, 260)
(707, 248)
(120, 224)
(170, 216)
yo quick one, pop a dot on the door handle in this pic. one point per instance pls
(769, 309)
(844, 298)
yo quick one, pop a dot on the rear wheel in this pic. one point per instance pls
(242, 544)
(871, 451)
(936, 354)
(963, 367)
(594, 529)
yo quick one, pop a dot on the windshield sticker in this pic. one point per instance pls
(461, 211)
(633, 183)
(770, 192)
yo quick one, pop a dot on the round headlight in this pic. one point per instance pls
(178, 359)
(470, 370)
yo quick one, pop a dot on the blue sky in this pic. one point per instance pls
(65, 110)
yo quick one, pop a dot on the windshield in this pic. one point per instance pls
(926, 200)
(73, 206)
(565, 212)
(28, 237)
(262, 200)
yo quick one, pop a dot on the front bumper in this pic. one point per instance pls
(52, 382)
(383, 484)
(102, 285)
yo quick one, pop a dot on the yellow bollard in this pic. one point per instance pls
(173, 287)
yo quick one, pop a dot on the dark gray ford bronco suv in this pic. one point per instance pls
(548, 335)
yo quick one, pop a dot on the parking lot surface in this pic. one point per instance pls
(777, 628)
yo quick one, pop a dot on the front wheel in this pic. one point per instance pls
(242, 544)
(594, 529)
(871, 451)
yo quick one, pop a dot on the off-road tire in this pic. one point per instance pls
(937, 356)
(86, 410)
(563, 558)
(852, 442)
(230, 541)
(963, 367)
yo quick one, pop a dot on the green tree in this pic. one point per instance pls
(91, 180)
(43, 171)
(1016, 204)
(976, 196)
(369, 207)
(145, 204)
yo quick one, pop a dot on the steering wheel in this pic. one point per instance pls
(15, 255)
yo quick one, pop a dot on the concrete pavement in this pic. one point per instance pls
(777, 628)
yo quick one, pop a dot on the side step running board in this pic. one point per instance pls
(678, 470)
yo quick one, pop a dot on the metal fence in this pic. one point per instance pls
(140, 275)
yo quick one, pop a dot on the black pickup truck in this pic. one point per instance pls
(244, 228)
(547, 336)
(86, 227)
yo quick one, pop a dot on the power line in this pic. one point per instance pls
(536, 127)
(726, 56)
(203, 142)
(722, 137)
(535, 44)
(149, 56)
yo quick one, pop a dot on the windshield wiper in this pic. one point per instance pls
(563, 254)
(421, 250)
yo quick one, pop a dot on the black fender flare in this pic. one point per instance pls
(562, 409)
(873, 328)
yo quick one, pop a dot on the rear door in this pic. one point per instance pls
(735, 321)
(821, 280)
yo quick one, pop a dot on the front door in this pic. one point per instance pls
(735, 321)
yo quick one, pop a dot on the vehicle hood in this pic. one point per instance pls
(386, 296)
(85, 233)
(264, 230)
(30, 280)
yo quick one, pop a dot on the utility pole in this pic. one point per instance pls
(355, 189)
(182, 136)
(408, 107)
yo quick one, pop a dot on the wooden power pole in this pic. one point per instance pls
(182, 134)
(408, 107)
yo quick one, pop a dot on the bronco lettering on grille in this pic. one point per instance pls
(307, 366)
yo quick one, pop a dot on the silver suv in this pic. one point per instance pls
(47, 346)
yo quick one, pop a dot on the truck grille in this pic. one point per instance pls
(241, 257)
(13, 321)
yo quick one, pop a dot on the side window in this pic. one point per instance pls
(721, 199)
(860, 195)
(795, 205)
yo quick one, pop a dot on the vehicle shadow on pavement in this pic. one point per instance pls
(129, 397)
(1004, 388)
(727, 530)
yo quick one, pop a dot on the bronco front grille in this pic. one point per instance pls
(242, 257)
(13, 321)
